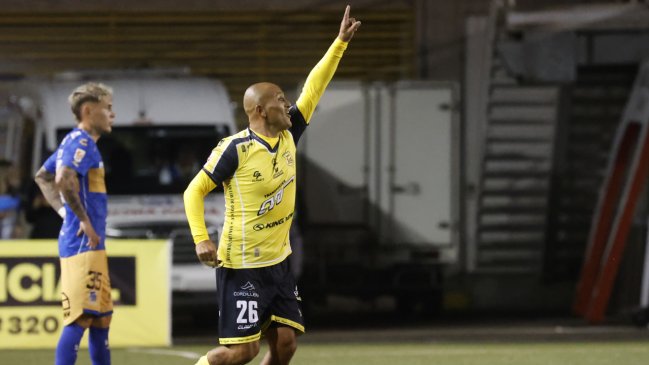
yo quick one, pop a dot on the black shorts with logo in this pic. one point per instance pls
(251, 299)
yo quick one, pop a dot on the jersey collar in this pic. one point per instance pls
(263, 142)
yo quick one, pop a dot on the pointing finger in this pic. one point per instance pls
(346, 16)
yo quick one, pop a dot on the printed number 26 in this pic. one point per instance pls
(251, 307)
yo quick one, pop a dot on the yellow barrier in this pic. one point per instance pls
(30, 295)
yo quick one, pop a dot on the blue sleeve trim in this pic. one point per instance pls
(227, 164)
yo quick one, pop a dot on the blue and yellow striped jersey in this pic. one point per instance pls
(259, 179)
(79, 152)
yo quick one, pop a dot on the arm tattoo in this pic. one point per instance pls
(68, 184)
(46, 183)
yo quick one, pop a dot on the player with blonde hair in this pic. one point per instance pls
(72, 181)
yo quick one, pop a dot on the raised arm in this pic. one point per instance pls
(45, 181)
(67, 183)
(321, 74)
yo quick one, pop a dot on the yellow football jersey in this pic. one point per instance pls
(259, 186)
(259, 180)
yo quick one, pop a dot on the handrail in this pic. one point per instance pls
(493, 20)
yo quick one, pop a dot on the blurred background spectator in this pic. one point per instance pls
(9, 200)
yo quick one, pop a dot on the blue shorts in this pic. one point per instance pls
(250, 300)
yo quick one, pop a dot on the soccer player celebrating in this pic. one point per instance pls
(256, 290)
(75, 172)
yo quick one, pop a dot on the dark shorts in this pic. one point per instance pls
(250, 300)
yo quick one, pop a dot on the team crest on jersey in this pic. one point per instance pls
(289, 158)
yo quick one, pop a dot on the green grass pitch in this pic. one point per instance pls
(570, 353)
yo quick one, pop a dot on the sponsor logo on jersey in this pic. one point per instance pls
(257, 176)
(260, 226)
(248, 286)
(83, 142)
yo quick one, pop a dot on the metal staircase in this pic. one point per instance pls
(597, 100)
(517, 164)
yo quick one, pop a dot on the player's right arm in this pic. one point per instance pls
(194, 199)
(45, 180)
(220, 166)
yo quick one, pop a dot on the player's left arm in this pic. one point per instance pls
(323, 72)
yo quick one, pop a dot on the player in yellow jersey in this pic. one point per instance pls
(256, 290)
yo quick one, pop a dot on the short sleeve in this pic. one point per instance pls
(50, 164)
(223, 162)
(78, 154)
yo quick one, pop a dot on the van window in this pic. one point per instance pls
(154, 159)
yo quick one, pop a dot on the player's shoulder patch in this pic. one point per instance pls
(79, 154)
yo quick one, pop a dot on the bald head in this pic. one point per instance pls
(259, 94)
